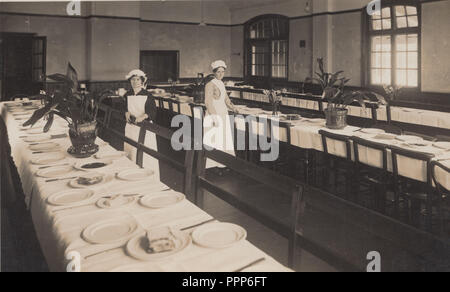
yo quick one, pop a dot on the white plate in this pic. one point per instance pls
(372, 131)
(384, 136)
(55, 171)
(110, 155)
(47, 159)
(442, 145)
(111, 231)
(409, 139)
(75, 182)
(37, 138)
(136, 247)
(162, 199)
(135, 174)
(45, 146)
(81, 165)
(119, 202)
(35, 131)
(70, 197)
(218, 235)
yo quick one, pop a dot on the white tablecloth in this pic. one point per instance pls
(59, 231)
(399, 114)
(305, 134)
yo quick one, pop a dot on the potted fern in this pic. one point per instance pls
(78, 109)
(339, 99)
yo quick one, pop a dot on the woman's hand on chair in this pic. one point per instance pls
(141, 118)
(128, 117)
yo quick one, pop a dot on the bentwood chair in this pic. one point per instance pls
(413, 183)
(338, 160)
(439, 172)
(371, 170)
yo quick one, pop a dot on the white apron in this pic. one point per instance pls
(136, 107)
(225, 144)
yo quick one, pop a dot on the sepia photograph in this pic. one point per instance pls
(249, 139)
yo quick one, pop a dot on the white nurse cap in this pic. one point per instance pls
(137, 73)
(218, 64)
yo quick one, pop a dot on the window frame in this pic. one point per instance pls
(248, 42)
(368, 33)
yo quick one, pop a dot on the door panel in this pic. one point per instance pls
(160, 65)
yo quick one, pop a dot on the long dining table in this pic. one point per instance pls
(305, 134)
(61, 228)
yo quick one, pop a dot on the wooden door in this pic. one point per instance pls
(160, 66)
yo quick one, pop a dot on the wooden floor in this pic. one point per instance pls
(262, 237)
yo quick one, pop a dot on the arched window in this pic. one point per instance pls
(267, 47)
(394, 44)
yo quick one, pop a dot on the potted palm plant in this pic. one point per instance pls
(339, 99)
(78, 109)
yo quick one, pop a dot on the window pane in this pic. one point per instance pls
(386, 12)
(376, 15)
(401, 78)
(376, 44)
(401, 43)
(376, 25)
(412, 42)
(413, 21)
(412, 60)
(401, 60)
(386, 61)
(411, 10)
(376, 60)
(387, 23)
(412, 78)
(376, 76)
(386, 40)
(386, 76)
(401, 22)
(400, 11)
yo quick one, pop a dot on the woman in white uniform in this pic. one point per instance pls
(140, 106)
(217, 120)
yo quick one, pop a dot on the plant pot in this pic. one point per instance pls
(336, 119)
(199, 96)
(83, 140)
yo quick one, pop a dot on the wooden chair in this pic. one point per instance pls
(417, 191)
(338, 162)
(443, 206)
(371, 170)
